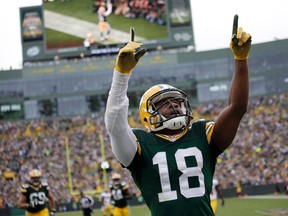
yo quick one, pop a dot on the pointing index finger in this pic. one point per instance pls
(132, 34)
(235, 28)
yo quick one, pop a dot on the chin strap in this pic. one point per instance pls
(175, 123)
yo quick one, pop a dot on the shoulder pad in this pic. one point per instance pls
(123, 183)
(45, 184)
(138, 129)
(215, 182)
(25, 186)
(199, 120)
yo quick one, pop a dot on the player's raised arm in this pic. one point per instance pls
(123, 142)
(129, 55)
(229, 119)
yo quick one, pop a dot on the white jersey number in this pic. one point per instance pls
(37, 198)
(167, 194)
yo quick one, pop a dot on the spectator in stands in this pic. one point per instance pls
(215, 195)
(2, 203)
(122, 7)
(156, 12)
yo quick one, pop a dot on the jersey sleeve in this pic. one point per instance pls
(46, 188)
(209, 127)
(24, 189)
(124, 185)
(123, 142)
(209, 130)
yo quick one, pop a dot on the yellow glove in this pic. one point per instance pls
(128, 57)
(241, 42)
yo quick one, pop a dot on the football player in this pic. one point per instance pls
(239, 189)
(86, 204)
(173, 160)
(104, 26)
(120, 193)
(105, 199)
(34, 196)
(215, 195)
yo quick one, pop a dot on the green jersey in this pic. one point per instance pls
(37, 196)
(119, 194)
(175, 178)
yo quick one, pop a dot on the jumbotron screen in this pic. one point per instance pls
(95, 27)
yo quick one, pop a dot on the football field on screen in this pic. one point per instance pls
(248, 206)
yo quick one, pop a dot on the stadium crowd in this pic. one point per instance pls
(257, 156)
(153, 10)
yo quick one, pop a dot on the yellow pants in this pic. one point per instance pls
(107, 210)
(43, 212)
(214, 205)
(121, 211)
(103, 26)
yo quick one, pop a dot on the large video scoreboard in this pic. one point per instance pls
(58, 29)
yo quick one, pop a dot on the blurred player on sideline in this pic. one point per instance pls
(34, 196)
(215, 195)
(86, 204)
(120, 194)
(105, 199)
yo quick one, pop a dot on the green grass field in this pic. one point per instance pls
(254, 206)
(60, 39)
(250, 206)
(137, 211)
